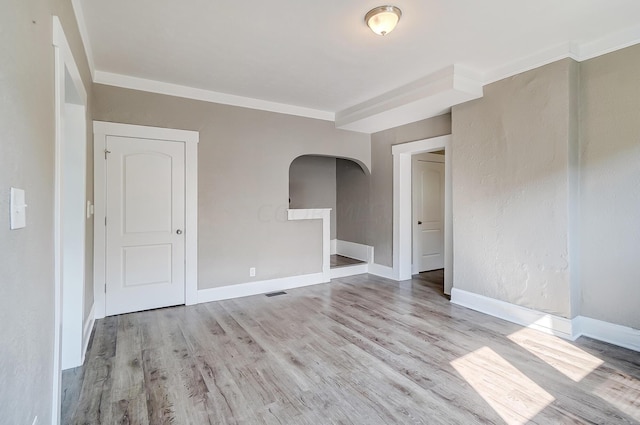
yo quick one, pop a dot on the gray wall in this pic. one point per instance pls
(27, 162)
(510, 154)
(243, 180)
(381, 189)
(610, 187)
(546, 189)
(312, 184)
(336, 183)
(352, 202)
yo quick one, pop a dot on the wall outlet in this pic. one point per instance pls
(252, 272)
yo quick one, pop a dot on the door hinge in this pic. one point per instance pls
(106, 152)
(105, 220)
(105, 288)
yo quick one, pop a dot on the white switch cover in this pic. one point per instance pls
(18, 209)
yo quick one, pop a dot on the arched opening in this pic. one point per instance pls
(341, 184)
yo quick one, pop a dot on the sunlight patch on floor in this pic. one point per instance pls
(515, 397)
(621, 391)
(563, 356)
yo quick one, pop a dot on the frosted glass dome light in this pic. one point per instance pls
(383, 19)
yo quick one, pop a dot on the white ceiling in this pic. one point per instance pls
(320, 55)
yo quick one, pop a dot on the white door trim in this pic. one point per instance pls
(63, 61)
(402, 230)
(190, 138)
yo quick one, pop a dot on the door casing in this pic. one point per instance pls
(75, 122)
(402, 249)
(103, 129)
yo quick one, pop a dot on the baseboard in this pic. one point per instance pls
(259, 287)
(548, 323)
(332, 249)
(382, 271)
(86, 331)
(354, 250)
(622, 336)
(345, 271)
(612, 333)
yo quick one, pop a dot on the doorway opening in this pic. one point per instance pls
(427, 182)
(402, 207)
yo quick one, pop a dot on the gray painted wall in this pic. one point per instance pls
(510, 154)
(546, 189)
(27, 162)
(312, 184)
(352, 202)
(381, 192)
(610, 187)
(243, 180)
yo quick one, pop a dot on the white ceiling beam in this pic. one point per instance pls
(429, 96)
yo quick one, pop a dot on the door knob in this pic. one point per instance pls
(179, 231)
(419, 222)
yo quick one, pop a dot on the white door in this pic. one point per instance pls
(428, 213)
(145, 205)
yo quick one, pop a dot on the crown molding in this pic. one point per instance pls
(153, 86)
(84, 35)
(427, 97)
(577, 51)
(610, 43)
(527, 63)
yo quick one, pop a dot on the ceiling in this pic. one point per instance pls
(320, 57)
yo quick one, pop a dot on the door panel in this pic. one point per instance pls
(147, 207)
(428, 215)
(144, 265)
(145, 217)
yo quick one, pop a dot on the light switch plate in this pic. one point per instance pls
(18, 209)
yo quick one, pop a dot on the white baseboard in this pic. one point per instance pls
(86, 332)
(619, 335)
(571, 329)
(259, 287)
(548, 323)
(332, 250)
(354, 250)
(345, 271)
(382, 271)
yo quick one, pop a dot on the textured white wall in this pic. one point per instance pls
(510, 158)
(610, 187)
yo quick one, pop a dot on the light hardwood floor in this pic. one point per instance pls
(340, 261)
(360, 350)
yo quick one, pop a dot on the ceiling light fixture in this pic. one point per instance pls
(383, 19)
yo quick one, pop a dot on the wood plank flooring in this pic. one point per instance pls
(360, 350)
(340, 261)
